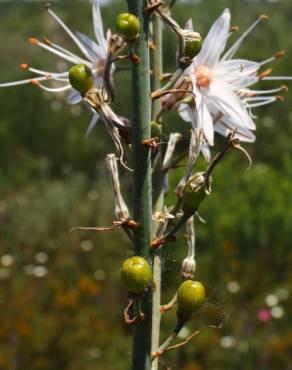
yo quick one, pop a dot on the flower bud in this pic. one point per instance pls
(81, 78)
(193, 47)
(194, 193)
(190, 297)
(136, 274)
(128, 26)
(188, 268)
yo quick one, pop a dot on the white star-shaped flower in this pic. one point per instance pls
(94, 55)
(221, 84)
(163, 216)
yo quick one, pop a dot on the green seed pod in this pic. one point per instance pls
(194, 193)
(193, 47)
(190, 297)
(128, 26)
(81, 78)
(155, 130)
(136, 274)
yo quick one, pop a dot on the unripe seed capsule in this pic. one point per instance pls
(155, 130)
(136, 274)
(194, 193)
(81, 78)
(190, 297)
(128, 26)
(193, 47)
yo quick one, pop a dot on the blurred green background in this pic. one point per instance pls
(61, 299)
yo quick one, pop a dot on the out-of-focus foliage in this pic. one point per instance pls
(61, 299)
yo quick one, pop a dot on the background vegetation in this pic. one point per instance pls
(61, 299)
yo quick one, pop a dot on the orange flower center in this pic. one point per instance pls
(203, 76)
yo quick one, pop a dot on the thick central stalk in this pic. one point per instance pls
(158, 193)
(142, 207)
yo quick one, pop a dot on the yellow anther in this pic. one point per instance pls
(280, 54)
(33, 40)
(264, 17)
(266, 73)
(234, 28)
(24, 66)
(34, 82)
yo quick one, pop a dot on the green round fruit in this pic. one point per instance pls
(128, 26)
(155, 130)
(190, 296)
(81, 78)
(136, 274)
(193, 47)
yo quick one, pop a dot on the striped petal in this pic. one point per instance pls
(224, 99)
(92, 123)
(224, 127)
(98, 25)
(94, 51)
(74, 97)
(204, 119)
(214, 44)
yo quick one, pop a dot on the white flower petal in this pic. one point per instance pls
(229, 104)
(239, 73)
(108, 35)
(94, 51)
(243, 66)
(98, 81)
(189, 25)
(74, 97)
(204, 118)
(214, 44)
(205, 149)
(185, 112)
(224, 128)
(98, 25)
(92, 123)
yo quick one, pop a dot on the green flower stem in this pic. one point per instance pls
(142, 187)
(172, 81)
(157, 61)
(180, 324)
(181, 222)
(158, 193)
(156, 315)
(157, 67)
